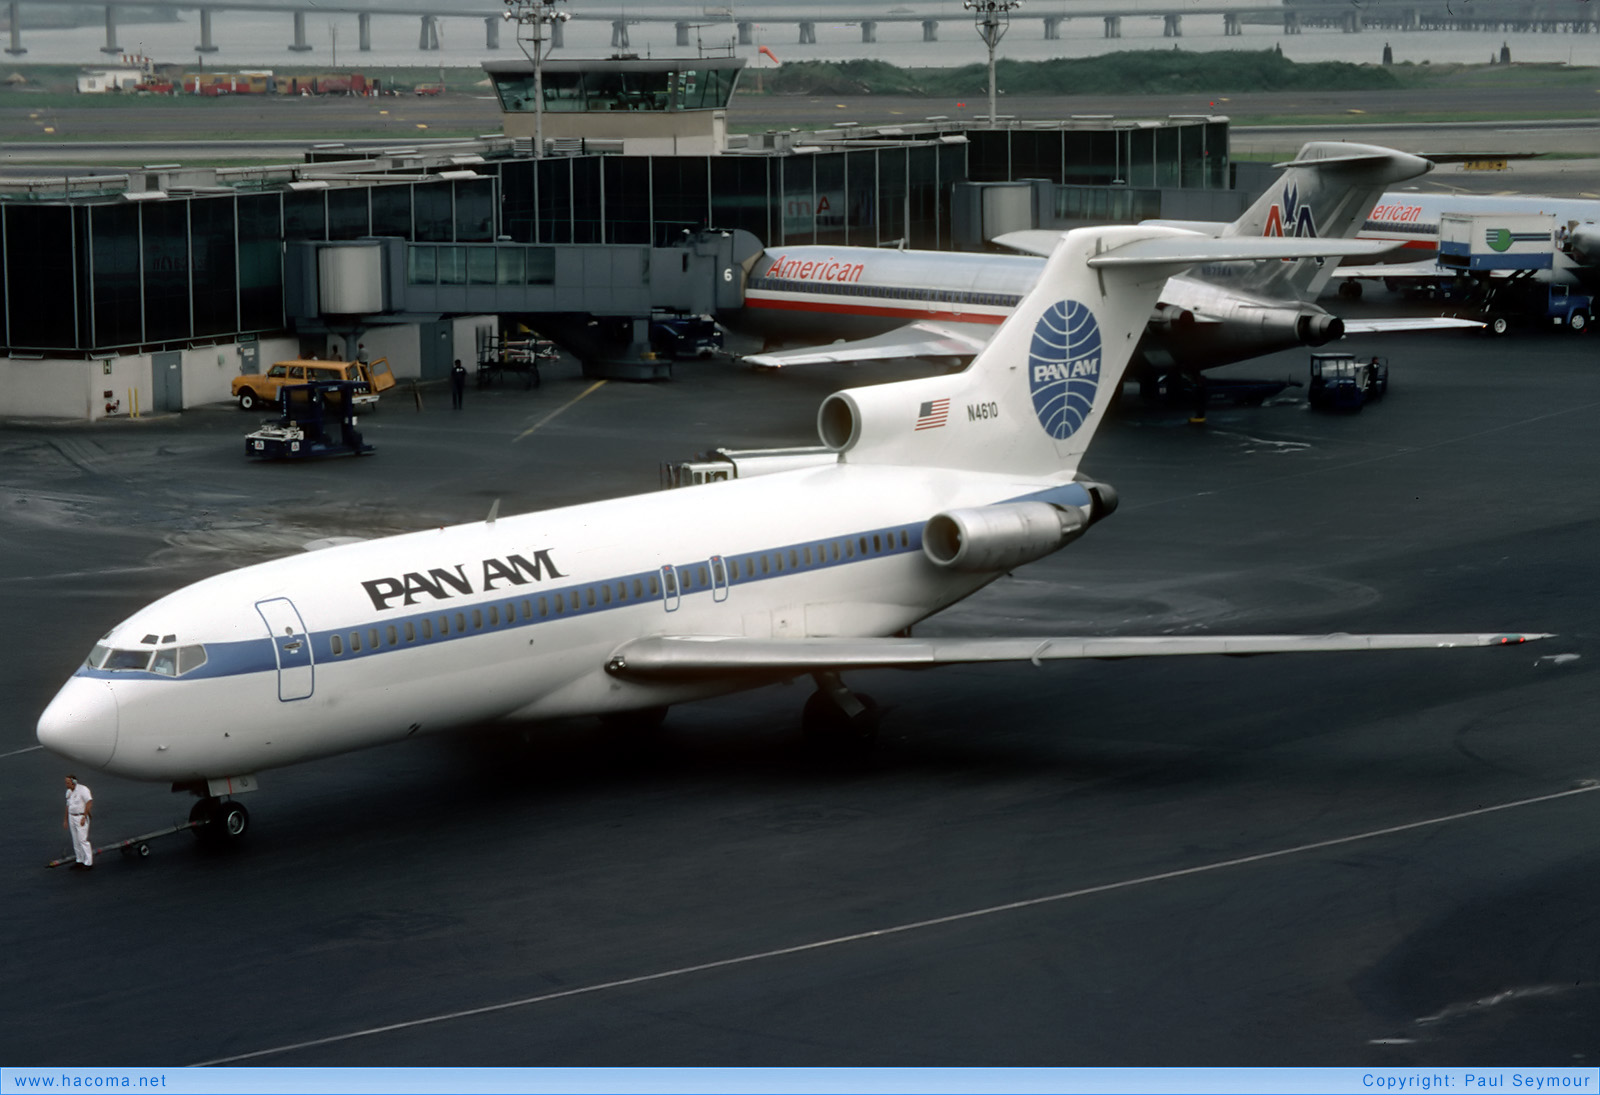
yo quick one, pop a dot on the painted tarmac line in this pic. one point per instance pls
(591, 388)
(1585, 787)
(19, 752)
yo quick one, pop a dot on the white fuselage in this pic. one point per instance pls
(375, 641)
(819, 293)
(1413, 219)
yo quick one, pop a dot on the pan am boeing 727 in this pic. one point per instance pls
(940, 486)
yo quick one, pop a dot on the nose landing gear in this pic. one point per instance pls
(219, 823)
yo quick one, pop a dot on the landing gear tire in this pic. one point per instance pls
(1350, 290)
(220, 824)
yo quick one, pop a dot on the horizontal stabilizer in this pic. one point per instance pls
(674, 656)
(1369, 155)
(1198, 249)
(921, 339)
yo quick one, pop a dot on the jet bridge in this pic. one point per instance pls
(598, 299)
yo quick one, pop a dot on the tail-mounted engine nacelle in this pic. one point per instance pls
(990, 538)
(1319, 328)
(1171, 319)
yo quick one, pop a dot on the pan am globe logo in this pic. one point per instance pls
(1064, 367)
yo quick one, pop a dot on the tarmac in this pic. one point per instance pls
(1358, 859)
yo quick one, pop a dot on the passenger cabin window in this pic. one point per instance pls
(411, 632)
(461, 622)
(394, 638)
(336, 645)
(427, 627)
(355, 642)
(477, 619)
(638, 588)
(372, 637)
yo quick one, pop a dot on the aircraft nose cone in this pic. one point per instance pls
(81, 723)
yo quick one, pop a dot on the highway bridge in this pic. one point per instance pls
(1555, 16)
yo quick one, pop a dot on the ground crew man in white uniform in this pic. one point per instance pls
(80, 803)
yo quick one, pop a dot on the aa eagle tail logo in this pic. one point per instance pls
(1290, 218)
(1064, 367)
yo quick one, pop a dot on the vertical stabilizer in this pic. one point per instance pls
(1327, 192)
(1030, 401)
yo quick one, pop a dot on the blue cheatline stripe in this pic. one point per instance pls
(256, 655)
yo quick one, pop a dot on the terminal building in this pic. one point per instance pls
(150, 290)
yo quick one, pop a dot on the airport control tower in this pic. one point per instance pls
(673, 107)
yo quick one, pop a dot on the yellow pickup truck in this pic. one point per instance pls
(263, 387)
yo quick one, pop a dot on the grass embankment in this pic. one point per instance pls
(1167, 72)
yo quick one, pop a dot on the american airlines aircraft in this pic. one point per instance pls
(1412, 220)
(897, 304)
(940, 486)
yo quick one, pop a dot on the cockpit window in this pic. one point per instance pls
(127, 659)
(168, 661)
(190, 658)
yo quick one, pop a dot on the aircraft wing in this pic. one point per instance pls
(1034, 241)
(1396, 271)
(1393, 324)
(920, 339)
(668, 656)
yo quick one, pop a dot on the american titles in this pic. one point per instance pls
(443, 583)
(828, 269)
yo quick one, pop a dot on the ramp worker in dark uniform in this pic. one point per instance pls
(80, 804)
(458, 383)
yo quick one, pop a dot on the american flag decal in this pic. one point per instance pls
(930, 416)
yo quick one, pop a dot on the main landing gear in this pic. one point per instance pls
(836, 717)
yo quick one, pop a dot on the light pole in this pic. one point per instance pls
(533, 18)
(993, 19)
